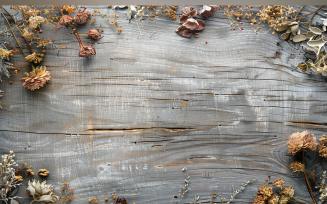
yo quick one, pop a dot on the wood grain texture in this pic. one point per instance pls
(151, 102)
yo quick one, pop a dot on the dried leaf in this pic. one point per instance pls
(310, 34)
(295, 29)
(14, 201)
(285, 25)
(300, 38)
(291, 36)
(315, 30)
(317, 43)
(285, 36)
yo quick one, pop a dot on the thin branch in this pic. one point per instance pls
(307, 182)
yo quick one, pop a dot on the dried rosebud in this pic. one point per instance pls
(65, 20)
(94, 34)
(81, 17)
(37, 78)
(297, 166)
(301, 142)
(86, 51)
(259, 200)
(287, 191)
(273, 199)
(278, 182)
(207, 11)
(265, 191)
(187, 13)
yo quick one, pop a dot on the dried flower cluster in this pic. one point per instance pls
(299, 142)
(297, 166)
(190, 25)
(35, 58)
(36, 78)
(4, 65)
(66, 194)
(323, 146)
(41, 192)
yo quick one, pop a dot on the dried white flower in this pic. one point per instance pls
(35, 21)
(41, 191)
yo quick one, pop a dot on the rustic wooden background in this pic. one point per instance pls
(151, 102)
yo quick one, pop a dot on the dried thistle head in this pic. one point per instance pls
(273, 199)
(35, 58)
(297, 166)
(207, 11)
(265, 191)
(287, 191)
(94, 34)
(81, 17)
(278, 182)
(86, 51)
(301, 142)
(37, 78)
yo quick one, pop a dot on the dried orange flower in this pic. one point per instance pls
(273, 199)
(278, 182)
(301, 142)
(297, 166)
(37, 78)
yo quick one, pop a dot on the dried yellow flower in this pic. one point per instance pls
(273, 199)
(36, 58)
(4, 54)
(265, 191)
(69, 9)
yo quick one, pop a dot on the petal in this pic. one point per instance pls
(183, 19)
(191, 24)
(186, 10)
(38, 187)
(201, 25)
(45, 190)
(30, 188)
(187, 33)
(46, 198)
(193, 12)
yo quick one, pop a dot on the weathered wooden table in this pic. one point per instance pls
(151, 102)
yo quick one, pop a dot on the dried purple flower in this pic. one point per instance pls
(81, 17)
(207, 11)
(187, 13)
(94, 34)
(86, 51)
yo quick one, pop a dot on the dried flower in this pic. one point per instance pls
(283, 199)
(86, 51)
(35, 21)
(265, 191)
(259, 200)
(30, 171)
(69, 9)
(41, 190)
(301, 142)
(65, 20)
(4, 54)
(81, 17)
(188, 28)
(42, 42)
(287, 191)
(94, 34)
(322, 146)
(43, 172)
(297, 166)
(35, 58)
(207, 11)
(37, 78)
(187, 13)
(278, 182)
(273, 199)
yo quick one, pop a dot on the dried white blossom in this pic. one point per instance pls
(35, 21)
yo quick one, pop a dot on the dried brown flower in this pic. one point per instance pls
(273, 199)
(259, 200)
(81, 17)
(65, 20)
(207, 11)
(287, 191)
(187, 13)
(297, 166)
(265, 191)
(322, 146)
(69, 9)
(86, 51)
(37, 78)
(191, 25)
(121, 201)
(27, 35)
(278, 182)
(35, 58)
(301, 142)
(94, 34)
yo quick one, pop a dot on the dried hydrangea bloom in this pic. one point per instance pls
(37, 78)
(81, 17)
(301, 142)
(94, 34)
(31, 12)
(322, 146)
(287, 191)
(188, 28)
(259, 200)
(27, 35)
(265, 191)
(283, 199)
(207, 11)
(35, 21)
(65, 20)
(86, 51)
(273, 199)
(278, 182)
(69, 9)
(35, 58)
(187, 13)
(297, 166)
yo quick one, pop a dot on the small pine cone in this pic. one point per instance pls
(86, 51)
(94, 34)
(81, 17)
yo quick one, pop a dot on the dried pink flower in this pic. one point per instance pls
(207, 11)
(187, 13)
(86, 51)
(94, 34)
(37, 78)
(65, 20)
(301, 142)
(191, 25)
(81, 17)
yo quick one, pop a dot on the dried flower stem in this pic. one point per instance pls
(309, 13)
(314, 14)
(300, 10)
(303, 199)
(296, 201)
(307, 182)
(62, 13)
